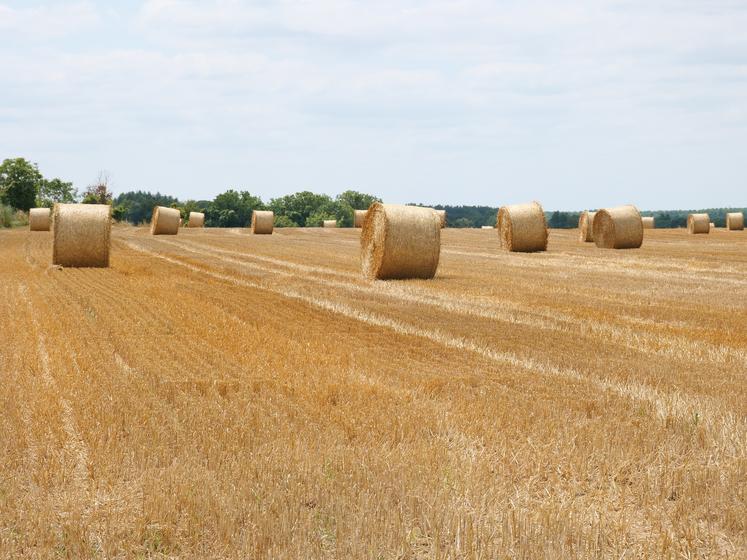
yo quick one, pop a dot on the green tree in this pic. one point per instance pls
(347, 202)
(139, 204)
(301, 205)
(232, 209)
(284, 221)
(55, 190)
(324, 213)
(19, 183)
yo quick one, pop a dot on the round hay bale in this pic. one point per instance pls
(329, 223)
(196, 220)
(734, 221)
(712, 225)
(263, 221)
(359, 216)
(586, 226)
(487, 227)
(648, 222)
(400, 242)
(165, 221)
(523, 227)
(39, 219)
(441, 216)
(618, 228)
(698, 223)
(82, 235)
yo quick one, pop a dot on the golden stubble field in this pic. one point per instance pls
(223, 395)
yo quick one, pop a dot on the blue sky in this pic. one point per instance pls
(579, 104)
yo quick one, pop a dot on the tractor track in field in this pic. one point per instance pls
(727, 428)
(673, 347)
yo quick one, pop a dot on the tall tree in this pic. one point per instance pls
(55, 190)
(300, 206)
(232, 209)
(19, 183)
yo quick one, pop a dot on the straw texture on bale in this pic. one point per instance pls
(735, 221)
(585, 226)
(39, 219)
(263, 221)
(698, 223)
(400, 242)
(359, 216)
(523, 227)
(165, 221)
(329, 223)
(441, 216)
(82, 235)
(196, 219)
(648, 222)
(618, 228)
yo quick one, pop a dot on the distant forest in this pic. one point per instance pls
(22, 186)
(233, 208)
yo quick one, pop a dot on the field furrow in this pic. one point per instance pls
(220, 394)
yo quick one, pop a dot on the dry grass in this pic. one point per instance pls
(235, 396)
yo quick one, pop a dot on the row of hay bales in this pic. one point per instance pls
(81, 233)
(396, 241)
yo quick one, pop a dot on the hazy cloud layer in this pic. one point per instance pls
(579, 105)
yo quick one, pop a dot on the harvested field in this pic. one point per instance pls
(226, 395)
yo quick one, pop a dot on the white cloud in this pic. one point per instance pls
(438, 101)
(47, 21)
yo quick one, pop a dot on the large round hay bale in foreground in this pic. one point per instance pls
(82, 235)
(196, 220)
(523, 227)
(585, 226)
(263, 221)
(359, 216)
(39, 219)
(441, 216)
(648, 222)
(165, 221)
(698, 223)
(329, 223)
(734, 221)
(618, 228)
(400, 242)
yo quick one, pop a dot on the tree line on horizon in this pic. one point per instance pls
(22, 186)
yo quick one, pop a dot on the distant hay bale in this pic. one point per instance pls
(648, 222)
(359, 216)
(165, 221)
(39, 219)
(329, 223)
(618, 228)
(196, 220)
(698, 223)
(487, 227)
(712, 225)
(263, 221)
(734, 221)
(523, 227)
(400, 242)
(441, 217)
(82, 235)
(585, 226)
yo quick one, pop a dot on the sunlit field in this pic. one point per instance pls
(221, 395)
